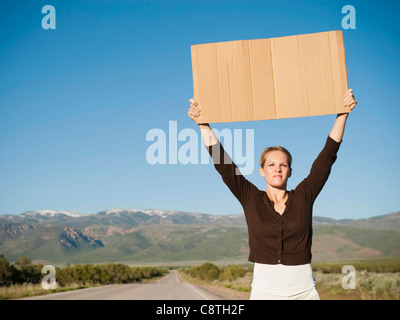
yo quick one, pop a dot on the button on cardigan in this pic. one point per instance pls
(275, 238)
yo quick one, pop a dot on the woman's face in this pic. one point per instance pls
(276, 169)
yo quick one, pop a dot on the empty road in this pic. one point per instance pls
(167, 288)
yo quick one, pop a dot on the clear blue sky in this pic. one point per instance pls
(77, 102)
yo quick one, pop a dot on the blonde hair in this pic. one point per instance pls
(275, 148)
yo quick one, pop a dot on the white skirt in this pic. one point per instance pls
(278, 281)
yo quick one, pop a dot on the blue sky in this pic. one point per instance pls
(77, 102)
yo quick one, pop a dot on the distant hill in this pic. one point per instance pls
(155, 236)
(384, 222)
(129, 217)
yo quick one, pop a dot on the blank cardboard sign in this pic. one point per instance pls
(287, 77)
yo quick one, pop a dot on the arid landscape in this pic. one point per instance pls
(149, 237)
(122, 246)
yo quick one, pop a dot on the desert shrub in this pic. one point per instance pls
(210, 272)
(231, 273)
(206, 271)
(24, 271)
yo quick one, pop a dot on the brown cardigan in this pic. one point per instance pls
(275, 238)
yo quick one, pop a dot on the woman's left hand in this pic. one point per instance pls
(349, 99)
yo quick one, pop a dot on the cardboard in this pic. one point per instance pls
(287, 77)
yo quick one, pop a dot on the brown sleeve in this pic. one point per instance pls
(230, 173)
(320, 170)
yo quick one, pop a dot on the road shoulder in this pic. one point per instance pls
(222, 292)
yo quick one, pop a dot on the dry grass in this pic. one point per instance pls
(19, 291)
(369, 286)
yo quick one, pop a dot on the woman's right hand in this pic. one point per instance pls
(194, 110)
(208, 135)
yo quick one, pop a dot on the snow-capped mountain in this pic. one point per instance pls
(52, 213)
(119, 216)
(150, 212)
(37, 216)
(170, 236)
(137, 217)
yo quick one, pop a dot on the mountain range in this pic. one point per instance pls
(159, 236)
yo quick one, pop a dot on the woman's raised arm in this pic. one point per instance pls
(340, 122)
(207, 134)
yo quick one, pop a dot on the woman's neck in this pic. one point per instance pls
(276, 194)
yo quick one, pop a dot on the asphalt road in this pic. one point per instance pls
(167, 288)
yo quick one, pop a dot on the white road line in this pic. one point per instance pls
(197, 291)
(176, 277)
(190, 286)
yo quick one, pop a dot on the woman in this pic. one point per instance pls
(279, 221)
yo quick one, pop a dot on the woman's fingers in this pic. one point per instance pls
(350, 102)
(192, 115)
(193, 102)
(349, 92)
(196, 113)
(349, 99)
(194, 110)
